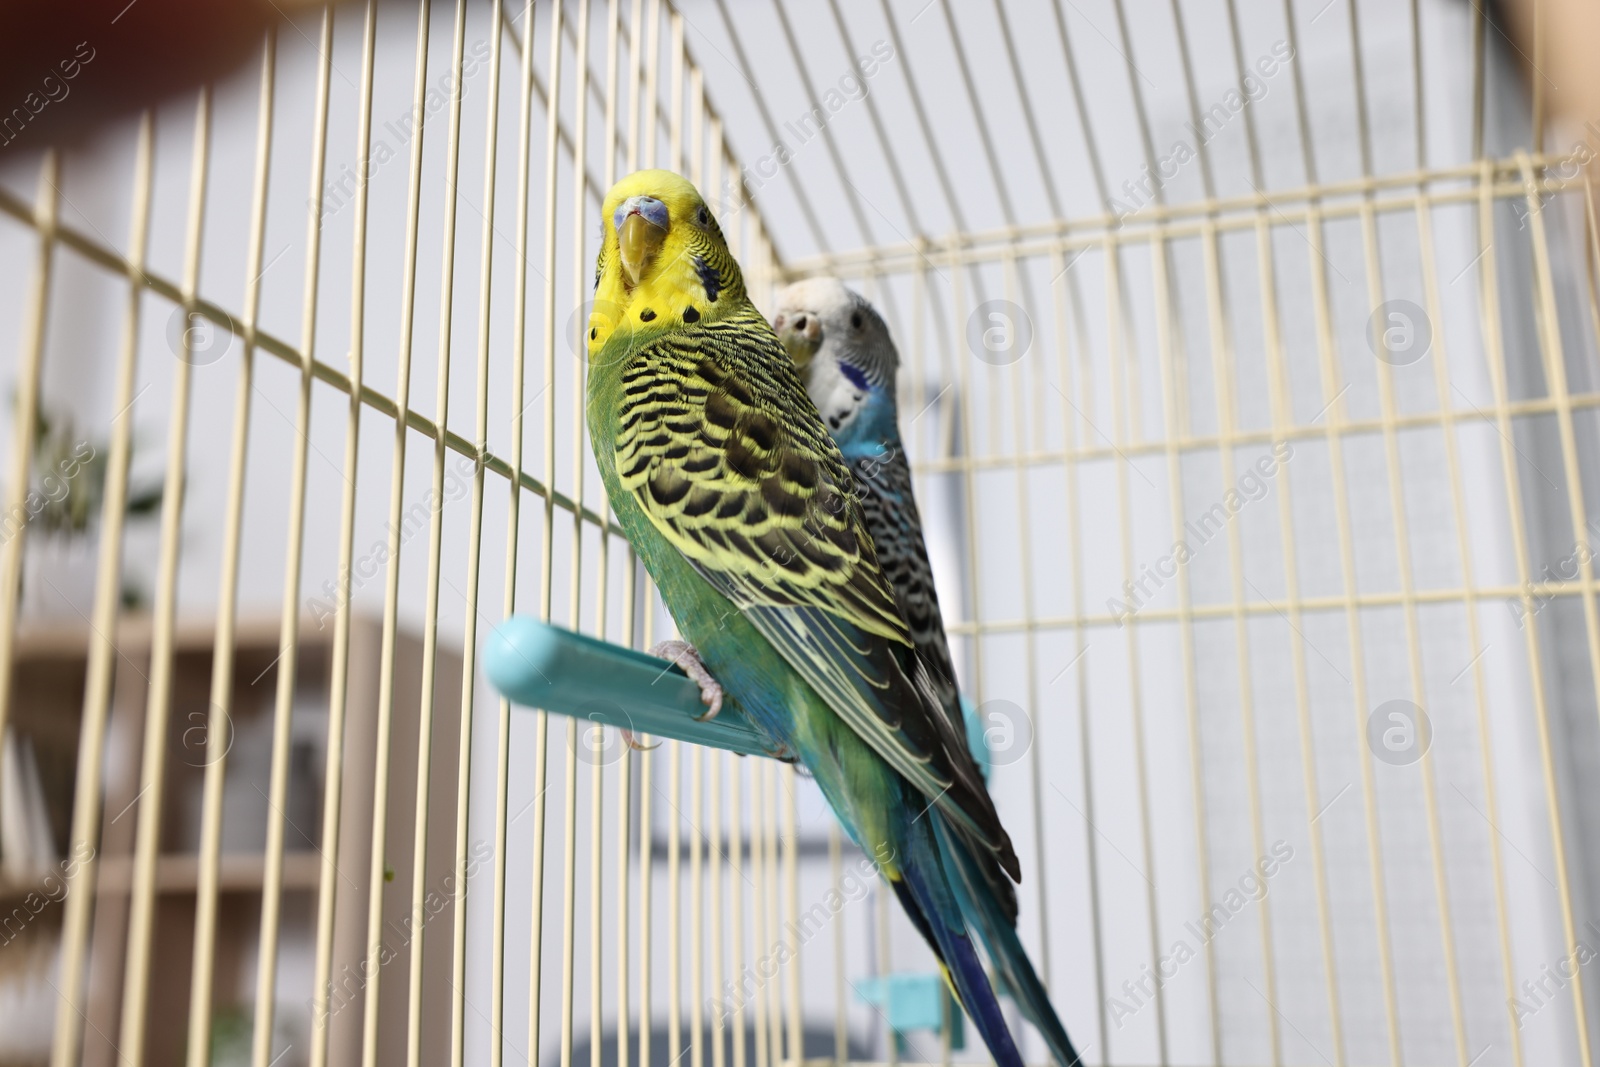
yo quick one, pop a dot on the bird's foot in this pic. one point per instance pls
(783, 754)
(683, 654)
(633, 742)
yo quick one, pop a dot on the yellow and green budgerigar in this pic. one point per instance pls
(724, 477)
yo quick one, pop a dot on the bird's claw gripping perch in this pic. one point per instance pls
(633, 742)
(684, 656)
(783, 755)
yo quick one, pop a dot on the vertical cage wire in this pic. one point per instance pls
(1458, 507)
(327, 882)
(377, 868)
(430, 638)
(223, 662)
(137, 981)
(98, 684)
(138, 960)
(757, 802)
(30, 355)
(1492, 183)
(289, 625)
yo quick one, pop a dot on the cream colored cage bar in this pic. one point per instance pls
(1414, 199)
(1523, 181)
(598, 37)
(586, 51)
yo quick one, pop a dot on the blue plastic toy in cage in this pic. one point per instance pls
(914, 1002)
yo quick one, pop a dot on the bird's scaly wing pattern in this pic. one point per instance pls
(759, 500)
(889, 508)
(745, 493)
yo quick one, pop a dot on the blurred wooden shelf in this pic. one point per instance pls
(237, 873)
(48, 698)
(178, 874)
(14, 889)
(67, 639)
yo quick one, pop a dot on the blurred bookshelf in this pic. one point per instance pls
(47, 708)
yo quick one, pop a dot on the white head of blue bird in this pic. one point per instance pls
(842, 349)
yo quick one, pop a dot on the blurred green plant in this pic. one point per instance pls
(69, 474)
(66, 493)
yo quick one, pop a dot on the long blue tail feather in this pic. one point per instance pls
(1006, 954)
(930, 887)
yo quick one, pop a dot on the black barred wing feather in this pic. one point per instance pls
(888, 699)
(710, 444)
(889, 508)
(728, 459)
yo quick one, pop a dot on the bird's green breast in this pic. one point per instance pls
(705, 617)
(677, 580)
(758, 679)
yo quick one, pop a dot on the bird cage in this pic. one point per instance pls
(1249, 364)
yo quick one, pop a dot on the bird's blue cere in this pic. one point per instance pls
(653, 210)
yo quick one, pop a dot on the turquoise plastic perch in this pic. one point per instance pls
(543, 666)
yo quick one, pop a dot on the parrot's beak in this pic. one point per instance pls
(641, 228)
(801, 334)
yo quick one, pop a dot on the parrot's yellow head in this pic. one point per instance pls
(663, 261)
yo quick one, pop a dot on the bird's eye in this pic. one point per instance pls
(855, 320)
(702, 216)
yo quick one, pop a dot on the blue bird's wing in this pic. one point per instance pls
(889, 506)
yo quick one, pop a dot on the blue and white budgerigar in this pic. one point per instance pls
(723, 476)
(848, 362)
